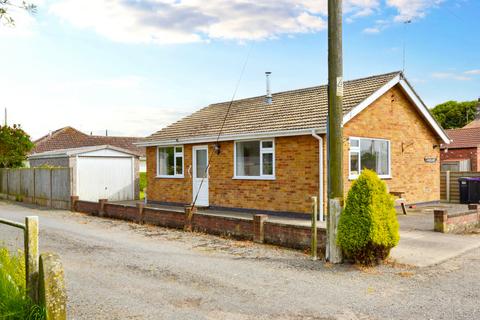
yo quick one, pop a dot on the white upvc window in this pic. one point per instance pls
(368, 153)
(254, 159)
(170, 162)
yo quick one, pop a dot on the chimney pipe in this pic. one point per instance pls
(268, 97)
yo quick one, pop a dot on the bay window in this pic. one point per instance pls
(170, 162)
(373, 154)
(254, 159)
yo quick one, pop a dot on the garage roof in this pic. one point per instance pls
(77, 151)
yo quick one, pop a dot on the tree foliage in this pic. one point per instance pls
(453, 114)
(6, 5)
(15, 144)
(368, 227)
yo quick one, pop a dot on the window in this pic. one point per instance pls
(170, 162)
(254, 159)
(373, 154)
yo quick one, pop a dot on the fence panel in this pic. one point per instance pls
(43, 186)
(14, 182)
(449, 190)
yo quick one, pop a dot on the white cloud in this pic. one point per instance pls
(412, 9)
(372, 30)
(450, 76)
(473, 72)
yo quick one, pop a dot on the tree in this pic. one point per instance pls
(15, 145)
(6, 5)
(453, 114)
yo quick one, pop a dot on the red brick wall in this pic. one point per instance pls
(296, 170)
(464, 153)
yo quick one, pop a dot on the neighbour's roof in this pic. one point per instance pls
(68, 138)
(290, 110)
(464, 138)
(76, 151)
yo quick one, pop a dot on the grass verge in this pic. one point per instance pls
(14, 302)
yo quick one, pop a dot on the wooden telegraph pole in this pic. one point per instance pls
(334, 132)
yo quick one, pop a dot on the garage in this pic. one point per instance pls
(97, 172)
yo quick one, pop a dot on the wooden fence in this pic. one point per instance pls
(449, 187)
(49, 187)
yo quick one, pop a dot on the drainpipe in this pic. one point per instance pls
(320, 173)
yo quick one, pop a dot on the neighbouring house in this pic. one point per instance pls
(463, 153)
(68, 138)
(271, 153)
(97, 172)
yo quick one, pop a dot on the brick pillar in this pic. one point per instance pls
(258, 231)
(73, 203)
(189, 212)
(101, 206)
(140, 207)
(440, 220)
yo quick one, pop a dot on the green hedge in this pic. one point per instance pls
(368, 227)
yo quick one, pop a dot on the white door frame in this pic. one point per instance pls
(202, 200)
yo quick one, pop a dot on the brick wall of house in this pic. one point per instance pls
(464, 153)
(296, 165)
(393, 117)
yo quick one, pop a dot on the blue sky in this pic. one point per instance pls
(133, 67)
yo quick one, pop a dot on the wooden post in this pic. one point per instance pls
(52, 291)
(447, 185)
(31, 256)
(313, 247)
(334, 254)
(334, 129)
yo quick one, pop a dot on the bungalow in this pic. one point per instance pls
(271, 153)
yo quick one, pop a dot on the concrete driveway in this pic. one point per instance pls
(420, 246)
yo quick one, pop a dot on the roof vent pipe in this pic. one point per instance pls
(268, 97)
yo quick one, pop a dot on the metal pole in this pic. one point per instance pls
(313, 247)
(335, 119)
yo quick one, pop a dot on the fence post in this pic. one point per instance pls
(52, 292)
(333, 254)
(51, 188)
(140, 207)
(447, 185)
(31, 256)
(313, 247)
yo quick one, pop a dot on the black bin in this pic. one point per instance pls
(469, 189)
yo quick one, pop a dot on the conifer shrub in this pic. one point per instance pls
(368, 227)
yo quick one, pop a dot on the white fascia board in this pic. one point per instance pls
(365, 103)
(246, 136)
(424, 111)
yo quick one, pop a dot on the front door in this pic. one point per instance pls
(200, 175)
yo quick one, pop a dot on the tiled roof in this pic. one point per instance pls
(474, 124)
(464, 138)
(68, 137)
(291, 110)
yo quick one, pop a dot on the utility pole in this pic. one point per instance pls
(334, 132)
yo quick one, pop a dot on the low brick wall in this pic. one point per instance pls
(457, 222)
(223, 226)
(258, 228)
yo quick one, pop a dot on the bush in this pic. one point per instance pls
(368, 227)
(14, 302)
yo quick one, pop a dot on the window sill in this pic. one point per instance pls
(350, 178)
(170, 177)
(252, 178)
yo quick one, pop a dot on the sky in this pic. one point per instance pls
(133, 67)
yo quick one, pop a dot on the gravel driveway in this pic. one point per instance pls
(118, 270)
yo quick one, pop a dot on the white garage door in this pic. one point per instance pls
(105, 178)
